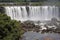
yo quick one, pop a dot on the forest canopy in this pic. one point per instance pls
(22, 0)
(9, 29)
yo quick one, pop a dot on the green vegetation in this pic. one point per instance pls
(22, 3)
(22, 0)
(9, 29)
(2, 10)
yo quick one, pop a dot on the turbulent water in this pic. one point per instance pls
(35, 13)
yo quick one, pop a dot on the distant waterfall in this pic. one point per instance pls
(35, 13)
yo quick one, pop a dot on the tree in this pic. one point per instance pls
(9, 29)
(2, 10)
(22, 0)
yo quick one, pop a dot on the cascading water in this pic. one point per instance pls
(34, 13)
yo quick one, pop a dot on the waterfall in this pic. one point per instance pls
(34, 13)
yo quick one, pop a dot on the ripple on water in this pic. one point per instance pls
(38, 36)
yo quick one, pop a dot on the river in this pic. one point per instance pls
(38, 36)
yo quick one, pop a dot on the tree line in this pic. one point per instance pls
(22, 0)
